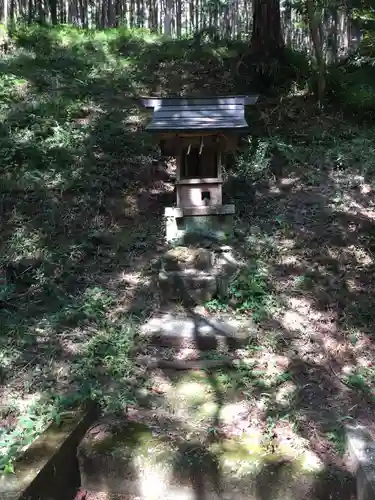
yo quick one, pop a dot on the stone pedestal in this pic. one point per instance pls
(214, 221)
(195, 331)
(196, 275)
(361, 452)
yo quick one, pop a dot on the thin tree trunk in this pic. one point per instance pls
(53, 11)
(316, 33)
(178, 18)
(5, 13)
(168, 17)
(118, 13)
(131, 13)
(110, 16)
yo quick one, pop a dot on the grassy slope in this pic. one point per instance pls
(77, 235)
(76, 213)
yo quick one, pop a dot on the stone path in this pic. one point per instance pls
(193, 330)
(187, 438)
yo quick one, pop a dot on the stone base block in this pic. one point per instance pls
(196, 331)
(188, 286)
(212, 221)
(361, 451)
(196, 275)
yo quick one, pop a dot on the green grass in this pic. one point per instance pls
(73, 151)
(73, 154)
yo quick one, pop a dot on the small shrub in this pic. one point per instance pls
(279, 74)
(248, 293)
(352, 86)
(353, 89)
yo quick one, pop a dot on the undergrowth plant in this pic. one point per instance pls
(72, 145)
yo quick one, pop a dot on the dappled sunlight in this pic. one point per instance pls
(88, 195)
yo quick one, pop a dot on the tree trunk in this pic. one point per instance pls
(266, 39)
(168, 17)
(30, 11)
(178, 18)
(316, 33)
(53, 11)
(5, 13)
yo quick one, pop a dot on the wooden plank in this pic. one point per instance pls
(150, 102)
(189, 127)
(202, 210)
(199, 118)
(192, 124)
(200, 180)
(200, 102)
(199, 112)
(206, 107)
(193, 115)
(202, 109)
(191, 134)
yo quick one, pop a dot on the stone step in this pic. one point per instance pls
(124, 459)
(188, 287)
(197, 331)
(191, 364)
(196, 275)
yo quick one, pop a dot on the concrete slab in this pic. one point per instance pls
(131, 458)
(195, 331)
(48, 468)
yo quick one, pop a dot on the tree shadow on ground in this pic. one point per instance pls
(319, 258)
(82, 229)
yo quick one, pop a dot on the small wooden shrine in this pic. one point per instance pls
(197, 132)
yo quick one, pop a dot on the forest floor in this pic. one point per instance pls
(81, 225)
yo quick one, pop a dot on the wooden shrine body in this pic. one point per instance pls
(198, 132)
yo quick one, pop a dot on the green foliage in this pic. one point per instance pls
(248, 293)
(352, 85)
(363, 380)
(72, 145)
(290, 71)
(353, 89)
(253, 161)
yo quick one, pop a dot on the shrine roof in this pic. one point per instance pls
(198, 113)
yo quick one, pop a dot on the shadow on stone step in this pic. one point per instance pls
(134, 460)
(196, 466)
(192, 330)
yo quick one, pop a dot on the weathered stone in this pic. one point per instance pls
(204, 333)
(361, 451)
(182, 258)
(48, 468)
(114, 455)
(188, 286)
(134, 459)
(178, 229)
(197, 274)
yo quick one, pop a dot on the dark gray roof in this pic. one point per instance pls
(206, 113)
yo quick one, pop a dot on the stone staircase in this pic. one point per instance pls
(169, 446)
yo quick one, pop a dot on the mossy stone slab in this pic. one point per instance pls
(48, 469)
(132, 459)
